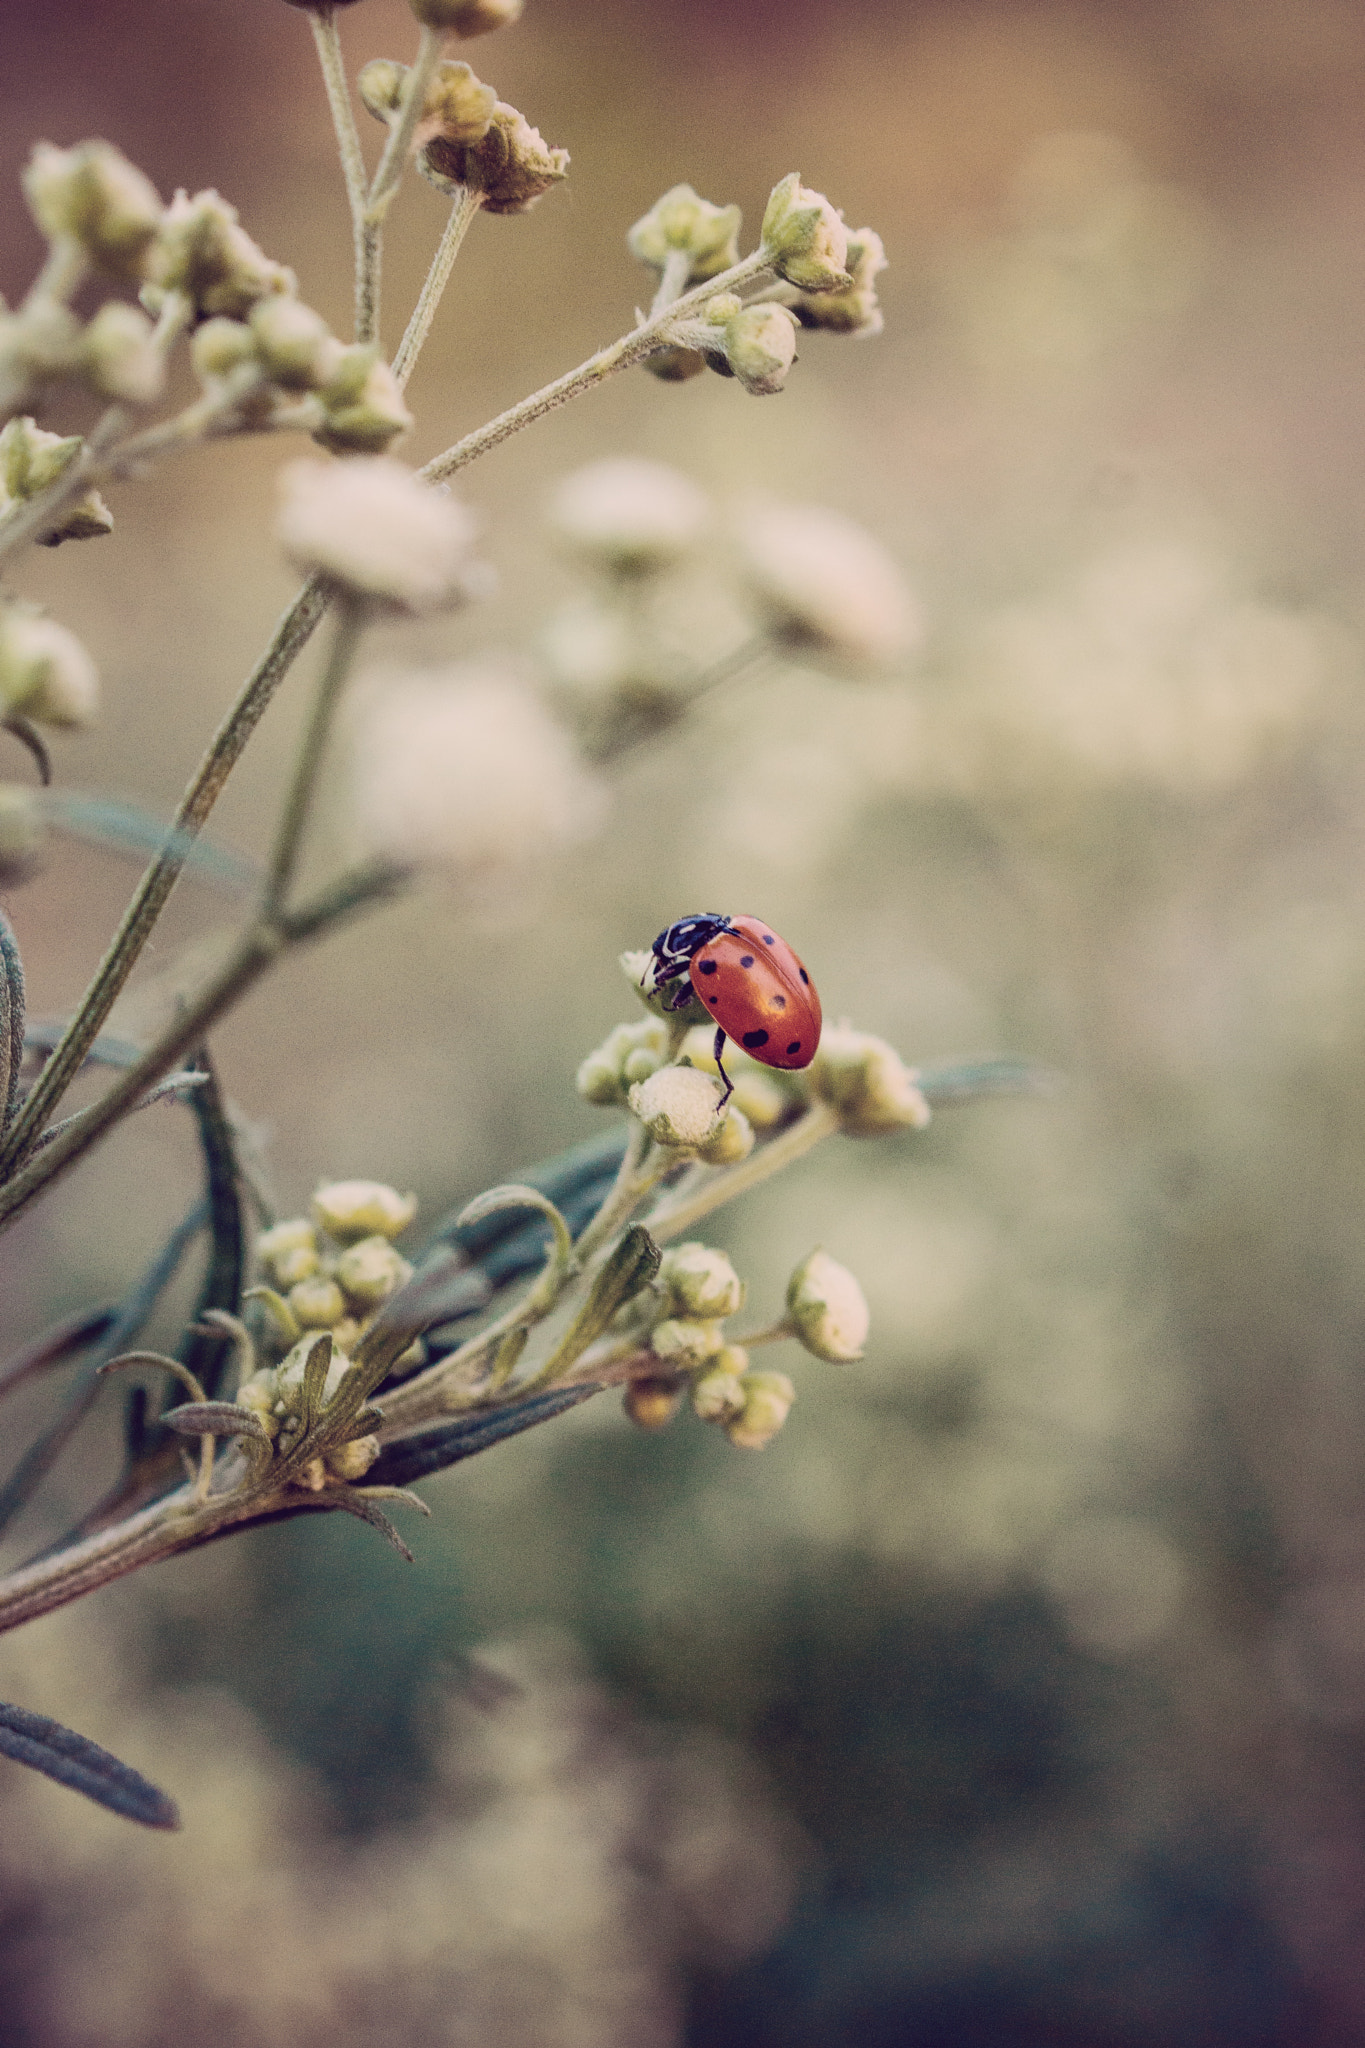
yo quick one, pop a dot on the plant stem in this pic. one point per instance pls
(386, 179)
(672, 280)
(324, 26)
(160, 878)
(62, 273)
(465, 205)
(619, 355)
(818, 1122)
(350, 623)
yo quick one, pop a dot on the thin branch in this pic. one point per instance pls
(386, 179)
(467, 201)
(328, 42)
(294, 818)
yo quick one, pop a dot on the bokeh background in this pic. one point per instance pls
(1016, 1693)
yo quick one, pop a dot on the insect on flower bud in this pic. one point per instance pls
(828, 1309)
(768, 1398)
(677, 1106)
(510, 168)
(288, 1251)
(369, 1271)
(805, 238)
(760, 347)
(651, 1403)
(45, 673)
(119, 357)
(866, 1081)
(700, 1281)
(94, 196)
(351, 1209)
(683, 222)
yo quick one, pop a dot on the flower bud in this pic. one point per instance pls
(288, 1251)
(768, 1398)
(202, 251)
(684, 222)
(760, 347)
(317, 1302)
(459, 108)
(45, 673)
(825, 585)
(853, 310)
(628, 516)
(369, 1271)
(380, 85)
(675, 365)
(259, 1396)
(30, 460)
(353, 1460)
(805, 238)
(290, 1371)
(119, 358)
(866, 1081)
(683, 1343)
(295, 346)
(219, 348)
(643, 1048)
(638, 969)
(718, 1395)
(92, 195)
(363, 407)
(828, 1309)
(700, 1282)
(733, 1141)
(510, 168)
(351, 1209)
(23, 830)
(375, 530)
(467, 17)
(651, 1403)
(677, 1106)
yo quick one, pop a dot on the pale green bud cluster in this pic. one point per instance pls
(45, 673)
(274, 1395)
(93, 196)
(852, 309)
(202, 251)
(629, 1054)
(695, 1280)
(760, 347)
(865, 1080)
(683, 223)
(764, 1096)
(805, 238)
(31, 459)
(118, 356)
(827, 1309)
(281, 351)
(333, 1270)
(458, 108)
(681, 1315)
(510, 166)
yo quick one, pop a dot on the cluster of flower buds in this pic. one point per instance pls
(868, 1085)
(332, 1270)
(678, 1105)
(31, 459)
(466, 137)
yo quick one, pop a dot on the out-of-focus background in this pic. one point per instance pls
(1016, 1693)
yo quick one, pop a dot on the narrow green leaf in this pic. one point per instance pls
(74, 1760)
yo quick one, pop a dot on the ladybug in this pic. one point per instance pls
(750, 980)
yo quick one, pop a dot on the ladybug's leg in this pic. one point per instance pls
(729, 1084)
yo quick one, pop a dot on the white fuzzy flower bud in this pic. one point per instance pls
(294, 345)
(733, 1141)
(351, 1209)
(685, 1343)
(700, 1282)
(867, 1082)
(768, 1398)
(23, 830)
(373, 529)
(683, 222)
(288, 1251)
(317, 1302)
(628, 516)
(369, 1271)
(45, 673)
(463, 770)
(222, 347)
(760, 347)
(291, 1368)
(119, 358)
(353, 1460)
(826, 585)
(92, 195)
(630, 1053)
(363, 406)
(805, 237)
(677, 1106)
(200, 250)
(828, 1309)
(718, 1395)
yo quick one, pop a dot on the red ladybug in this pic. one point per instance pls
(750, 980)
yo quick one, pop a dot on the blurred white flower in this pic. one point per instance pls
(628, 515)
(45, 673)
(828, 1309)
(462, 768)
(826, 584)
(371, 526)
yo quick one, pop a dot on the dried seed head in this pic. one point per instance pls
(510, 168)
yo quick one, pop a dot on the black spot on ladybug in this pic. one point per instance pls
(777, 1002)
(706, 967)
(711, 997)
(795, 1046)
(747, 960)
(805, 977)
(768, 939)
(753, 1038)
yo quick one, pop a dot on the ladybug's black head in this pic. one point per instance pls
(675, 946)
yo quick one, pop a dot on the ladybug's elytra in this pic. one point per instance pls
(751, 982)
